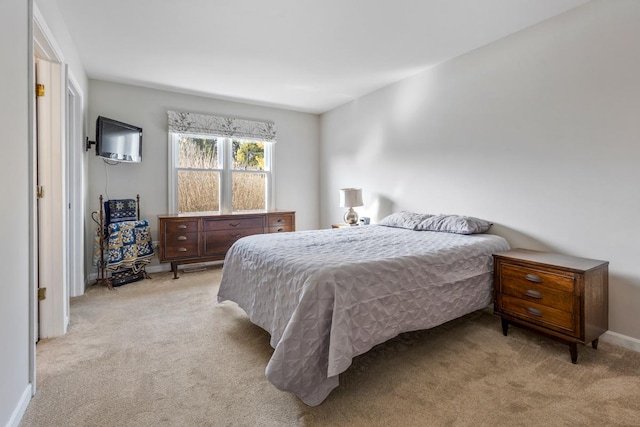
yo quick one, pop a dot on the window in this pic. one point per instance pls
(213, 172)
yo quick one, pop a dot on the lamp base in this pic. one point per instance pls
(351, 217)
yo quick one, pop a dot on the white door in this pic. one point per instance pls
(52, 266)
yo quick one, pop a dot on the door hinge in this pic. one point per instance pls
(42, 294)
(40, 192)
(39, 89)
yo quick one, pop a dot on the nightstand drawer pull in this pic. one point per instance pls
(182, 226)
(534, 311)
(181, 238)
(533, 294)
(234, 224)
(182, 249)
(235, 235)
(533, 278)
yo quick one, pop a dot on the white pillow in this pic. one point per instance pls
(408, 220)
(454, 224)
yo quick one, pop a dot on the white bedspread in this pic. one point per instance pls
(326, 296)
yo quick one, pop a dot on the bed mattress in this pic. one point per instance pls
(326, 296)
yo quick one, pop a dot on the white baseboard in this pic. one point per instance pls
(18, 413)
(151, 269)
(158, 268)
(621, 340)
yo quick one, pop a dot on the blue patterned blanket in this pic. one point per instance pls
(119, 210)
(129, 246)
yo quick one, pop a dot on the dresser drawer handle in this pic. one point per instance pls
(534, 311)
(182, 249)
(533, 294)
(235, 235)
(182, 227)
(533, 278)
(182, 238)
(234, 224)
(279, 230)
(280, 220)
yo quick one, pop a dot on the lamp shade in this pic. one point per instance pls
(350, 197)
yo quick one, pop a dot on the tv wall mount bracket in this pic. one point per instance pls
(88, 144)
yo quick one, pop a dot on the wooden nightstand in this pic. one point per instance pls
(562, 296)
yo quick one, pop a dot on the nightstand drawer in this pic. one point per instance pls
(537, 313)
(538, 294)
(523, 277)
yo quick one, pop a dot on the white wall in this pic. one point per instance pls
(14, 251)
(296, 152)
(64, 41)
(539, 133)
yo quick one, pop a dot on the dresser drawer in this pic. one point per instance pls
(181, 226)
(278, 223)
(549, 317)
(181, 249)
(234, 224)
(524, 276)
(280, 228)
(538, 294)
(280, 220)
(217, 242)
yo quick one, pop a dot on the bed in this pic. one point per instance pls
(326, 296)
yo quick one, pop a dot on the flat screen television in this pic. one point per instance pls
(118, 141)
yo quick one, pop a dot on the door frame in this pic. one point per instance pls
(45, 47)
(75, 188)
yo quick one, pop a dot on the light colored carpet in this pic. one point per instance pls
(162, 352)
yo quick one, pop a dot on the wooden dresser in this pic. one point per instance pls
(562, 296)
(188, 238)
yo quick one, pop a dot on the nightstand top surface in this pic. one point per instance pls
(551, 259)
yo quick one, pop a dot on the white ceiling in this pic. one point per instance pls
(305, 55)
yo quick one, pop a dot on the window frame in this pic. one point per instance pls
(225, 151)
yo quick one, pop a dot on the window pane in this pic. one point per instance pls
(249, 191)
(198, 191)
(248, 155)
(201, 153)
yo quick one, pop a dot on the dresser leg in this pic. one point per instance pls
(573, 349)
(174, 268)
(594, 344)
(505, 326)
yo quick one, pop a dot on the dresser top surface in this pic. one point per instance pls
(223, 215)
(551, 259)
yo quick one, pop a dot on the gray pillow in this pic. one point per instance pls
(404, 219)
(454, 224)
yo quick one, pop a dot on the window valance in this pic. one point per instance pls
(205, 124)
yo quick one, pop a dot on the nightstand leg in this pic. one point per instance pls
(594, 344)
(573, 349)
(505, 326)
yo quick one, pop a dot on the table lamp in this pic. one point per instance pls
(350, 198)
